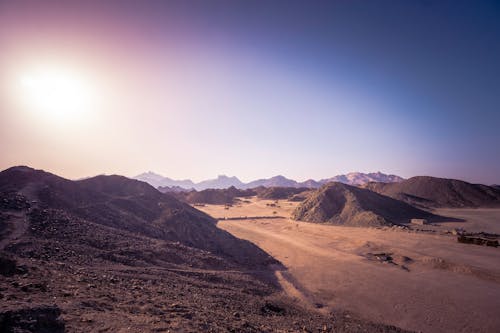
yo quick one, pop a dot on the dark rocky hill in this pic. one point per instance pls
(129, 205)
(212, 196)
(279, 193)
(439, 192)
(218, 196)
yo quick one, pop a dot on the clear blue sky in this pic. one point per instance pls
(308, 89)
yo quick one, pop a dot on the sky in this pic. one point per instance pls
(306, 89)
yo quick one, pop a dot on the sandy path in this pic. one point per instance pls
(449, 287)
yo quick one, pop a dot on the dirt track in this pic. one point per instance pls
(433, 284)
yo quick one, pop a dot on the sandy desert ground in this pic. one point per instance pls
(432, 284)
(476, 219)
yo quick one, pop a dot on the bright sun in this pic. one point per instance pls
(56, 93)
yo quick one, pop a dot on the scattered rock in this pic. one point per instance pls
(318, 305)
(41, 319)
(270, 309)
(477, 240)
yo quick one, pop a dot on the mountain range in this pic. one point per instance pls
(222, 181)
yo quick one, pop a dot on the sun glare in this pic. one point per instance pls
(57, 94)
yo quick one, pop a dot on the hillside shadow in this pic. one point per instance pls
(445, 219)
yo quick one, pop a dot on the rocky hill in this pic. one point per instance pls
(343, 204)
(216, 196)
(426, 191)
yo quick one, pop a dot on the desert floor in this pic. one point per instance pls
(433, 284)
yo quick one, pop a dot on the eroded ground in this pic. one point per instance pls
(422, 281)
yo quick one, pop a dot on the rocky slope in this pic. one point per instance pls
(129, 205)
(439, 192)
(343, 204)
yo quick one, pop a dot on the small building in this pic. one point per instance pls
(419, 221)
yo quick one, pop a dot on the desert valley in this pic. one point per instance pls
(193, 166)
(110, 253)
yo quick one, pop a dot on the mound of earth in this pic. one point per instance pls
(343, 204)
(113, 254)
(279, 193)
(435, 192)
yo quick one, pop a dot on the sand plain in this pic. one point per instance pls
(432, 284)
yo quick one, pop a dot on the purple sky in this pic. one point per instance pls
(192, 89)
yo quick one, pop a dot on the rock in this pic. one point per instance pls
(271, 309)
(30, 287)
(8, 267)
(477, 241)
(41, 319)
(457, 231)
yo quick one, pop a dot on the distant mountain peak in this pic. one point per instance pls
(225, 181)
(222, 181)
(158, 180)
(360, 178)
(226, 177)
